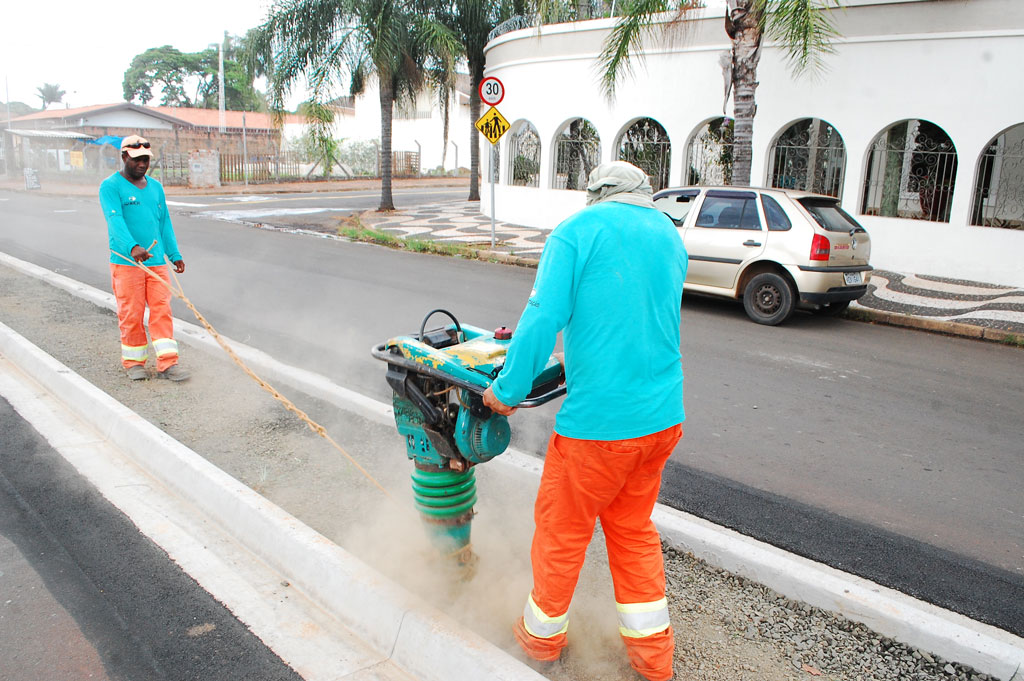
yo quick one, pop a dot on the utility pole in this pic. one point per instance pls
(7, 156)
(245, 154)
(220, 80)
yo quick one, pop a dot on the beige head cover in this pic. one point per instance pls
(619, 181)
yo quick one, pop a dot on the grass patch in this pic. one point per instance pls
(354, 229)
(1013, 339)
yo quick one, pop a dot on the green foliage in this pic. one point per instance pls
(50, 93)
(192, 78)
(355, 230)
(524, 169)
(360, 156)
(803, 28)
(16, 109)
(328, 43)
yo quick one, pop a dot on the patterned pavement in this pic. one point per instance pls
(461, 221)
(918, 297)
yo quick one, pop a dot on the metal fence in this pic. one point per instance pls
(646, 145)
(999, 186)
(524, 156)
(911, 172)
(405, 163)
(577, 152)
(809, 156)
(709, 155)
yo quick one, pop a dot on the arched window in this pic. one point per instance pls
(709, 153)
(810, 156)
(645, 144)
(577, 152)
(524, 155)
(910, 172)
(999, 184)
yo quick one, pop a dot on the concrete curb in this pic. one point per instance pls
(858, 312)
(413, 635)
(947, 634)
(903, 618)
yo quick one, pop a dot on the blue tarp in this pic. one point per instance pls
(112, 140)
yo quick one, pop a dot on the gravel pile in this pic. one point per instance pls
(816, 643)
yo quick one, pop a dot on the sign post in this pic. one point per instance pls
(492, 125)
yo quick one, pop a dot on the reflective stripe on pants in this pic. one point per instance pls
(541, 625)
(136, 354)
(637, 620)
(165, 346)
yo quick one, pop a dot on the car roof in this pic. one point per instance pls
(792, 193)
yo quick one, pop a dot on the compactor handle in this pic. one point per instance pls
(382, 353)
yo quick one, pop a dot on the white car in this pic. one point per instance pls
(776, 249)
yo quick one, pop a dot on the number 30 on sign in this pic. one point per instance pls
(491, 91)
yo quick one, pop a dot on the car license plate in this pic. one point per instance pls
(851, 278)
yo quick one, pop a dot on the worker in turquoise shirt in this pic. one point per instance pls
(611, 279)
(139, 231)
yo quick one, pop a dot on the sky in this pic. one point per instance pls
(87, 47)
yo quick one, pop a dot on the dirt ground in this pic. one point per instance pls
(726, 628)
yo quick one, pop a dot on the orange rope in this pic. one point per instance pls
(179, 293)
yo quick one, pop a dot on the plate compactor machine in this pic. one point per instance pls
(438, 378)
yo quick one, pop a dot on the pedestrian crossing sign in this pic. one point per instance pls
(492, 125)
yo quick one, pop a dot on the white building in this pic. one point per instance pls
(917, 124)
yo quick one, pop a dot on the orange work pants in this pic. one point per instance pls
(617, 481)
(134, 290)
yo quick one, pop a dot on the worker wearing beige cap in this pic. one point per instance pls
(139, 227)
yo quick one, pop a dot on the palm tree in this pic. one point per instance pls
(328, 41)
(802, 27)
(50, 93)
(472, 21)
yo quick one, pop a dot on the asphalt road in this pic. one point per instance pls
(889, 452)
(74, 570)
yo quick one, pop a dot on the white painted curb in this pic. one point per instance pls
(416, 637)
(942, 632)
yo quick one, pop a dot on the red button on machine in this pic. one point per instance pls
(503, 333)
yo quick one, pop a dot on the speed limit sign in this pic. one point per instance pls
(491, 91)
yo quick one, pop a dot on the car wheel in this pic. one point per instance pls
(833, 309)
(768, 299)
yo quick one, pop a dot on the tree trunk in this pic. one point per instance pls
(746, 42)
(477, 73)
(387, 105)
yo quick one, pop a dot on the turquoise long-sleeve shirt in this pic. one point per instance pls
(137, 217)
(611, 278)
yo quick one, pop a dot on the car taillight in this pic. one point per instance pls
(820, 247)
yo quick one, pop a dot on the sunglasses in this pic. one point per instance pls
(137, 145)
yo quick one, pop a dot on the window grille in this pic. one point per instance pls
(710, 154)
(810, 156)
(646, 145)
(578, 151)
(910, 172)
(999, 184)
(524, 156)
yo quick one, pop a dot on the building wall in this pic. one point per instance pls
(956, 64)
(424, 133)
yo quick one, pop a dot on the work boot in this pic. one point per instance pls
(137, 372)
(174, 373)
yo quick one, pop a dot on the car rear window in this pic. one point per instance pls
(829, 215)
(777, 219)
(677, 206)
(729, 210)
